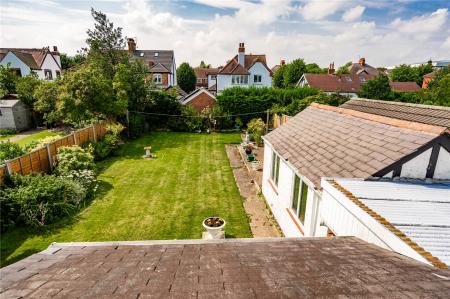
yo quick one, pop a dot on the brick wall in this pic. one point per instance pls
(201, 101)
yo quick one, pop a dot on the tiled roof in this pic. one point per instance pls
(404, 86)
(431, 75)
(337, 83)
(325, 141)
(415, 210)
(233, 67)
(357, 68)
(164, 57)
(30, 56)
(201, 72)
(428, 114)
(339, 267)
(213, 88)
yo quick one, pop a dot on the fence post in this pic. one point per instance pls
(267, 122)
(8, 168)
(95, 134)
(49, 155)
(75, 138)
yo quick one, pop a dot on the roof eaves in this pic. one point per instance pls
(420, 250)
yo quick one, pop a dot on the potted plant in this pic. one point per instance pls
(248, 148)
(214, 227)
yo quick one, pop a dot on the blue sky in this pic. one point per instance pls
(384, 32)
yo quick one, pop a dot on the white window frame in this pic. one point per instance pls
(157, 78)
(48, 74)
(275, 168)
(239, 79)
(255, 77)
(301, 184)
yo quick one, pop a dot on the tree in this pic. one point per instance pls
(344, 69)
(404, 73)
(204, 65)
(186, 77)
(314, 68)
(422, 70)
(441, 91)
(129, 83)
(7, 80)
(294, 72)
(46, 95)
(278, 77)
(377, 88)
(68, 62)
(25, 87)
(105, 45)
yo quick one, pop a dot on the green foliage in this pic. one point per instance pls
(46, 95)
(129, 83)
(204, 65)
(441, 91)
(256, 128)
(137, 125)
(439, 75)
(86, 178)
(344, 69)
(74, 158)
(7, 80)
(68, 62)
(377, 88)
(194, 121)
(109, 143)
(294, 72)
(239, 100)
(25, 87)
(186, 77)
(35, 144)
(7, 131)
(9, 150)
(43, 199)
(9, 211)
(299, 104)
(278, 77)
(314, 68)
(405, 73)
(105, 45)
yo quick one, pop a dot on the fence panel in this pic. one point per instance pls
(41, 160)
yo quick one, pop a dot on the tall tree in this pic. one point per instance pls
(314, 68)
(294, 72)
(46, 95)
(25, 87)
(377, 88)
(68, 62)
(105, 45)
(404, 73)
(186, 77)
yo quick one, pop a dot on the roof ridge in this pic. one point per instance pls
(403, 103)
(392, 228)
(404, 124)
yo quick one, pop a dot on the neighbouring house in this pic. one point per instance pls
(340, 267)
(199, 99)
(345, 84)
(162, 69)
(276, 67)
(408, 216)
(244, 70)
(404, 86)
(363, 68)
(428, 78)
(206, 77)
(14, 114)
(325, 141)
(44, 63)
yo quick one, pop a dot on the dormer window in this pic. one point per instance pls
(156, 54)
(142, 54)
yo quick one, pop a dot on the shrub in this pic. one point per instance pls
(7, 131)
(35, 144)
(137, 125)
(9, 211)
(74, 158)
(43, 199)
(109, 143)
(86, 178)
(255, 128)
(9, 150)
(194, 120)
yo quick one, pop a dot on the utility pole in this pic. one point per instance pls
(267, 122)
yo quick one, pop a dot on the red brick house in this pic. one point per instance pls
(199, 99)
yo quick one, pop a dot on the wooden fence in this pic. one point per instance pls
(44, 158)
(279, 120)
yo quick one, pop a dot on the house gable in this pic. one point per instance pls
(15, 62)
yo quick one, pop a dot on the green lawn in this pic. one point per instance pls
(36, 136)
(6, 137)
(164, 198)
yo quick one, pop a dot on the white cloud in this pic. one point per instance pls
(353, 14)
(319, 9)
(446, 44)
(428, 23)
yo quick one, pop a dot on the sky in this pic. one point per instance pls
(385, 32)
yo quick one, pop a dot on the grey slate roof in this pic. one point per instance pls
(164, 57)
(340, 267)
(325, 141)
(427, 114)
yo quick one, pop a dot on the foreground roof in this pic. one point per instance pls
(427, 114)
(240, 268)
(158, 61)
(419, 210)
(326, 141)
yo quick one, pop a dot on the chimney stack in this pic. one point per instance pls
(362, 61)
(282, 62)
(241, 54)
(331, 69)
(131, 45)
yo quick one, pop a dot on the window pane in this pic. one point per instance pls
(274, 159)
(245, 79)
(277, 170)
(303, 198)
(295, 194)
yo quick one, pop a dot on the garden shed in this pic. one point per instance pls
(14, 114)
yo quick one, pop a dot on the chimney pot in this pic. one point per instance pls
(331, 69)
(283, 62)
(131, 45)
(55, 48)
(362, 61)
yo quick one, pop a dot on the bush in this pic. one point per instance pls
(9, 211)
(43, 199)
(7, 131)
(9, 150)
(74, 158)
(86, 178)
(35, 144)
(137, 125)
(194, 120)
(255, 128)
(109, 143)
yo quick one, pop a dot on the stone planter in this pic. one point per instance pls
(214, 228)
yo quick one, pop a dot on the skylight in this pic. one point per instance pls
(142, 54)
(156, 54)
